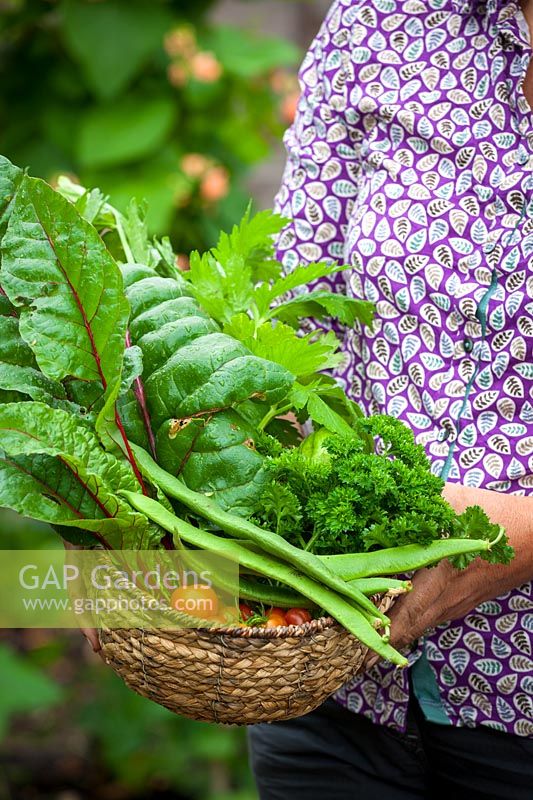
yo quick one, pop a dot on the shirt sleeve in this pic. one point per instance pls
(321, 175)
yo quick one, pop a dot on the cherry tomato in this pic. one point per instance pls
(275, 618)
(275, 621)
(230, 616)
(246, 611)
(199, 601)
(298, 616)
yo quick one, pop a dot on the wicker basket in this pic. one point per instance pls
(237, 675)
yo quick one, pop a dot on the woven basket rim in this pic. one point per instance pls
(242, 631)
(279, 632)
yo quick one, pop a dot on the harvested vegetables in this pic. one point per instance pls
(142, 408)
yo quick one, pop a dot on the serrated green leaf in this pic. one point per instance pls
(136, 232)
(90, 203)
(224, 280)
(308, 397)
(324, 415)
(301, 276)
(280, 343)
(320, 304)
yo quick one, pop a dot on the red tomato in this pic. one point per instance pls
(298, 616)
(246, 611)
(200, 601)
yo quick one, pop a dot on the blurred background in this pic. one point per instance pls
(182, 103)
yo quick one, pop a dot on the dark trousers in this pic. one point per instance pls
(333, 754)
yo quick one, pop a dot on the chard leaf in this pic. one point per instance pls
(31, 382)
(10, 180)
(205, 452)
(191, 369)
(58, 273)
(18, 368)
(132, 368)
(54, 469)
(212, 373)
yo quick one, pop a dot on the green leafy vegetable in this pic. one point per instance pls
(54, 469)
(54, 267)
(367, 493)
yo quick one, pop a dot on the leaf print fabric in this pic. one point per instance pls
(411, 160)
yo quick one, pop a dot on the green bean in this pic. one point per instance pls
(247, 589)
(243, 529)
(396, 560)
(272, 595)
(339, 608)
(371, 586)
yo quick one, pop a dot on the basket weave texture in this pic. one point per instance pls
(238, 675)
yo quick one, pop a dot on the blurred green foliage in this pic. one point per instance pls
(29, 688)
(59, 699)
(121, 93)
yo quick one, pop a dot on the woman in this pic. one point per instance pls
(411, 160)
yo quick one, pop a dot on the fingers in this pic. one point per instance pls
(370, 661)
(91, 634)
(407, 624)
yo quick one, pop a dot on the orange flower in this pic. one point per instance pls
(205, 67)
(194, 165)
(289, 107)
(283, 82)
(177, 74)
(215, 185)
(180, 42)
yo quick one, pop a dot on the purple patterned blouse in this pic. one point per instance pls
(411, 160)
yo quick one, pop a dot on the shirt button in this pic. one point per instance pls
(489, 247)
(523, 157)
(468, 344)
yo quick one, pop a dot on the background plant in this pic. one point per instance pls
(145, 99)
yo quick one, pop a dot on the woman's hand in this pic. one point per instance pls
(443, 593)
(91, 634)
